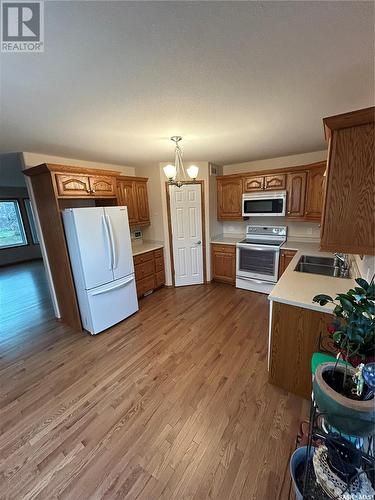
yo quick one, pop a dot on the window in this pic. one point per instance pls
(30, 216)
(12, 233)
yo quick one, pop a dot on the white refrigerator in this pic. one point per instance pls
(102, 262)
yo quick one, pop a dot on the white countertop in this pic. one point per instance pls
(139, 247)
(298, 289)
(227, 239)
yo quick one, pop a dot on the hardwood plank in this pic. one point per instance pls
(172, 403)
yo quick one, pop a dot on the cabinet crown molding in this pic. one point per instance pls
(272, 171)
(346, 120)
(72, 169)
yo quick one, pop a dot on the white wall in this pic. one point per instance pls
(32, 159)
(11, 171)
(279, 162)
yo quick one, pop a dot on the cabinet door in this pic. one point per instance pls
(229, 198)
(274, 182)
(296, 193)
(285, 258)
(315, 192)
(348, 220)
(101, 185)
(254, 183)
(224, 263)
(126, 196)
(72, 185)
(142, 202)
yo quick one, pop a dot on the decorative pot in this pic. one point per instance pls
(298, 457)
(349, 416)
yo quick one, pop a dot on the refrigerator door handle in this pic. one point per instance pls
(108, 243)
(113, 242)
(115, 287)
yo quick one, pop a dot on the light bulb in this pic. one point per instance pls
(170, 171)
(193, 171)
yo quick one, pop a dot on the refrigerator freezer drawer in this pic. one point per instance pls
(108, 304)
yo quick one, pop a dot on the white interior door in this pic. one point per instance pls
(186, 219)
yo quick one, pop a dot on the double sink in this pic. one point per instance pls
(319, 265)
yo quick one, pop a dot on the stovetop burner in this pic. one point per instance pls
(275, 243)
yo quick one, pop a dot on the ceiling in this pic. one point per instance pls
(238, 80)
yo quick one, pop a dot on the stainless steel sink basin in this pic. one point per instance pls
(313, 259)
(317, 265)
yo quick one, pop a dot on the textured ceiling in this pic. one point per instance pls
(238, 80)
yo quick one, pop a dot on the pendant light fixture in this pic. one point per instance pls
(176, 173)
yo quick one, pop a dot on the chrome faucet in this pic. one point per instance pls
(341, 264)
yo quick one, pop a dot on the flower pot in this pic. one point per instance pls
(297, 459)
(349, 416)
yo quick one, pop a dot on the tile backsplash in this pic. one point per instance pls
(295, 229)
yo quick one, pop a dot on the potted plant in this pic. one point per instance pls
(338, 389)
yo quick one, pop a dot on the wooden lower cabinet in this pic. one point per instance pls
(224, 263)
(285, 258)
(149, 271)
(295, 333)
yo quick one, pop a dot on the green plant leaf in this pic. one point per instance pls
(346, 304)
(370, 293)
(362, 283)
(337, 336)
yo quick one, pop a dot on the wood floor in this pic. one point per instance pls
(173, 403)
(25, 299)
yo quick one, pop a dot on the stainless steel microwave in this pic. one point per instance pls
(264, 204)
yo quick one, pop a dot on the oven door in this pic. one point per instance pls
(257, 261)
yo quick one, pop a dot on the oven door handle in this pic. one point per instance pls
(260, 249)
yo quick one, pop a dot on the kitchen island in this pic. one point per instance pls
(296, 322)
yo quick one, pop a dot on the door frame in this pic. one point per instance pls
(203, 216)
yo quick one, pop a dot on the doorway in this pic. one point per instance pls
(186, 233)
(25, 298)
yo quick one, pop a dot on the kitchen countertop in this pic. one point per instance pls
(226, 239)
(298, 289)
(139, 247)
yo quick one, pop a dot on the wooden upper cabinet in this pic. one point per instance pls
(132, 192)
(101, 185)
(274, 182)
(229, 198)
(75, 185)
(315, 192)
(254, 183)
(264, 182)
(296, 192)
(126, 196)
(142, 202)
(348, 215)
(72, 185)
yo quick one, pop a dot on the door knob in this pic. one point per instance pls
(199, 242)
